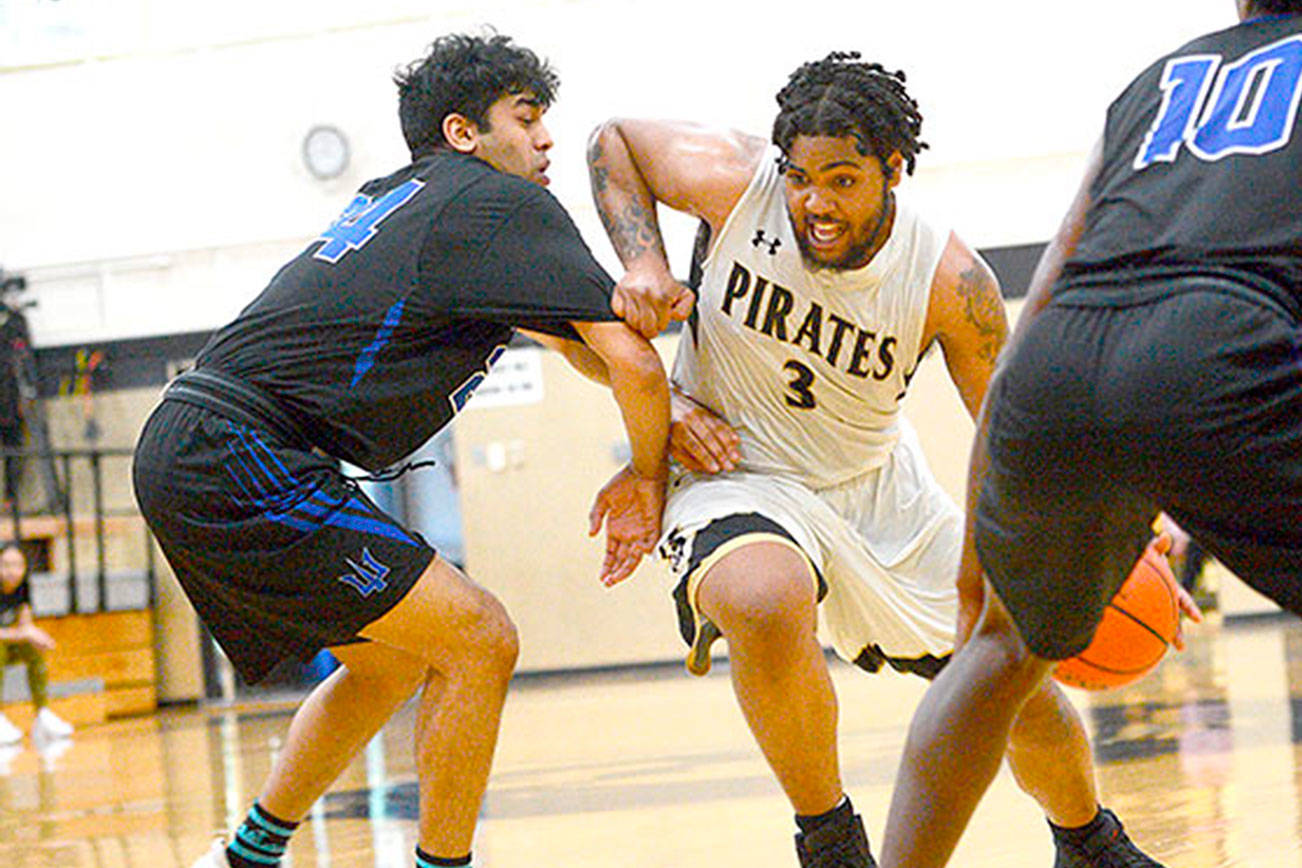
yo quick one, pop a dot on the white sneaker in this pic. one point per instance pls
(50, 749)
(215, 857)
(7, 754)
(51, 725)
(9, 734)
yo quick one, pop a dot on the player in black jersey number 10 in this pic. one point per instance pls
(1155, 366)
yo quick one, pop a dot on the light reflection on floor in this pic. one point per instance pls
(653, 768)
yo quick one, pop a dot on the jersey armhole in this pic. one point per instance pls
(762, 177)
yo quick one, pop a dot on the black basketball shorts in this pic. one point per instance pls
(280, 554)
(1185, 397)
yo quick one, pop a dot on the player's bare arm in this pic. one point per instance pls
(579, 355)
(635, 164)
(631, 503)
(971, 587)
(966, 316)
(700, 439)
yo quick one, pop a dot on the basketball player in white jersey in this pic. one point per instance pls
(798, 481)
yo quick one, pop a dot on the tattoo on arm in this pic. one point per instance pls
(598, 171)
(983, 308)
(632, 228)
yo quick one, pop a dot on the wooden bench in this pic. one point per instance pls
(103, 667)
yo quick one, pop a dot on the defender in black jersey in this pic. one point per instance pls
(359, 350)
(1158, 365)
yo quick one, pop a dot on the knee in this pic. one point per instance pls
(766, 608)
(490, 642)
(1046, 720)
(1003, 652)
(397, 679)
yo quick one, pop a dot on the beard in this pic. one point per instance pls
(856, 256)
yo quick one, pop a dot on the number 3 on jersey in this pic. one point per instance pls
(361, 219)
(800, 396)
(1248, 108)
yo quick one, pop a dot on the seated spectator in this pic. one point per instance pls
(21, 641)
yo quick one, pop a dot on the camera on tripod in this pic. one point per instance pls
(11, 282)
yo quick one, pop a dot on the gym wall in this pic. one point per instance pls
(154, 180)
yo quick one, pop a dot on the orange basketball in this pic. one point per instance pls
(1137, 629)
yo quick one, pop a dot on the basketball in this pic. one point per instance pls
(1137, 629)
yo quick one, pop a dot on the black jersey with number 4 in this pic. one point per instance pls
(377, 333)
(1202, 166)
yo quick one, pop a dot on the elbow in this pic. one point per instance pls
(640, 365)
(601, 138)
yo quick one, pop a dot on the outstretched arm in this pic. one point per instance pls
(579, 355)
(1047, 271)
(698, 438)
(631, 503)
(632, 165)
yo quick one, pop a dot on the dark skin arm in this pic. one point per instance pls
(635, 164)
(1047, 272)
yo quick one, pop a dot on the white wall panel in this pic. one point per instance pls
(174, 129)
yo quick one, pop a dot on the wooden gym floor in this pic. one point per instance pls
(652, 768)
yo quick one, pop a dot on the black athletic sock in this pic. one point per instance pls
(843, 812)
(425, 860)
(260, 841)
(1080, 834)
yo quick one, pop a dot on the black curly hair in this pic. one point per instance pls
(841, 95)
(466, 74)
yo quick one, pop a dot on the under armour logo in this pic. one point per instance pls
(772, 245)
(367, 577)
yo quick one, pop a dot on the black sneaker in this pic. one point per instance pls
(1109, 847)
(835, 845)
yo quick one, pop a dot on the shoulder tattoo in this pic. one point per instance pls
(983, 310)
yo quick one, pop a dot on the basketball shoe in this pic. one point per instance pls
(9, 734)
(49, 725)
(836, 845)
(1108, 846)
(215, 857)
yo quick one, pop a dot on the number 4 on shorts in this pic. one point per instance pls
(360, 221)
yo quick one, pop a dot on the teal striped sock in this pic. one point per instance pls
(425, 860)
(260, 841)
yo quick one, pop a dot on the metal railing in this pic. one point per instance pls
(69, 500)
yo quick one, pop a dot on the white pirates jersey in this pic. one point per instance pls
(809, 365)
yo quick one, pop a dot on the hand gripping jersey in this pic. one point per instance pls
(1202, 167)
(377, 333)
(808, 365)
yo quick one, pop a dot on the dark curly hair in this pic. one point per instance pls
(465, 74)
(839, 96)
(1276, 6)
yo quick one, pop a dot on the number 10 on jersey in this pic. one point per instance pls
(1248, 107)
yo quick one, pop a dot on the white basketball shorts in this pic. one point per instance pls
(884, 546)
